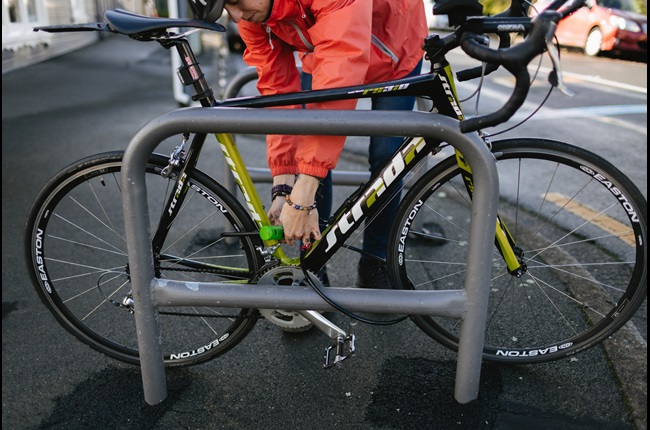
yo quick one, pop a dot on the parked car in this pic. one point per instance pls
(604, 25)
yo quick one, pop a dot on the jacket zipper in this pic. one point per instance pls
(302, 37)
(268, 31)
(382, 47)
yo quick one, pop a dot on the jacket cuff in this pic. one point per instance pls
(283, 170)
(312, 170)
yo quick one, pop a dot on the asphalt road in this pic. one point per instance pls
(95, 99)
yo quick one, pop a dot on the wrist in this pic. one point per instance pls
(280, 190)
(284, 179)
(304, 190)
(299, 207)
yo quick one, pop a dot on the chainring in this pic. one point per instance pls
(290, 321)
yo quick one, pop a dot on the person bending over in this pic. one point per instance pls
(339, 43)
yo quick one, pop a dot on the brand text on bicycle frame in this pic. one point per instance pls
(231, 163)
(372, 193)
(179, 188)
(380, 90)
(450, 96)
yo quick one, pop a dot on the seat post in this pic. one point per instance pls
(190, 72)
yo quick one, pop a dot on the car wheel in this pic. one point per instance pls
(594, 42)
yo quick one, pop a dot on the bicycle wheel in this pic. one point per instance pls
(77, 259)
(581, 225)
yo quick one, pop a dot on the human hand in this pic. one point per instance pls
(302, 223)
(299, 225)
(276, 208)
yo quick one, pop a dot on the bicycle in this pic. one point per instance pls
(587, 210)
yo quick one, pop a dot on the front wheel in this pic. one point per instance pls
(76, 255)
(580, 227)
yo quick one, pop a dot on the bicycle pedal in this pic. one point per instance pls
(343, 349)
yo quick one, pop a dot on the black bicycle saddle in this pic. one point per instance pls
(139, 27)
(132, 24)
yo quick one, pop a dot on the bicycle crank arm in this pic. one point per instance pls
(333, 331)
(323, 324)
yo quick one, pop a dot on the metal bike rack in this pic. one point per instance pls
(149, 292)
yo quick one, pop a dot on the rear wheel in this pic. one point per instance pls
(581, 226)
(76, 253)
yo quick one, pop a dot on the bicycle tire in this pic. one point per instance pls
(77, 260)
(582, 225)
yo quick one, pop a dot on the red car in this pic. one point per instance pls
(604, 25)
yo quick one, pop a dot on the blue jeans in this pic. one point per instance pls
(380, 150)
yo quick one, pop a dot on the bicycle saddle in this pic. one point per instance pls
(133, 24)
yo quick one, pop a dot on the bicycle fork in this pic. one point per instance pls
(504, 241)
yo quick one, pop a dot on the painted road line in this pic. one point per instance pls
(594, 113)
(606, 223)
(596, 80)
(604, 114)
(585, 112)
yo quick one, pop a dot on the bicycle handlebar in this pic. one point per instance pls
(515, 59)
(478, 71)
(517, 9)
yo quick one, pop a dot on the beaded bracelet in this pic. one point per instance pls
(298, 207)
(280, 190)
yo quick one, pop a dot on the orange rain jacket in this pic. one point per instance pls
(341, 43)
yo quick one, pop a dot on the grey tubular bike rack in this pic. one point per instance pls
(149, 292)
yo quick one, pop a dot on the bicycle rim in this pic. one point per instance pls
(581, 225)
(76, 251)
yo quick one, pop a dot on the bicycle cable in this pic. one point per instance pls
(342, 309)
(543, 102)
